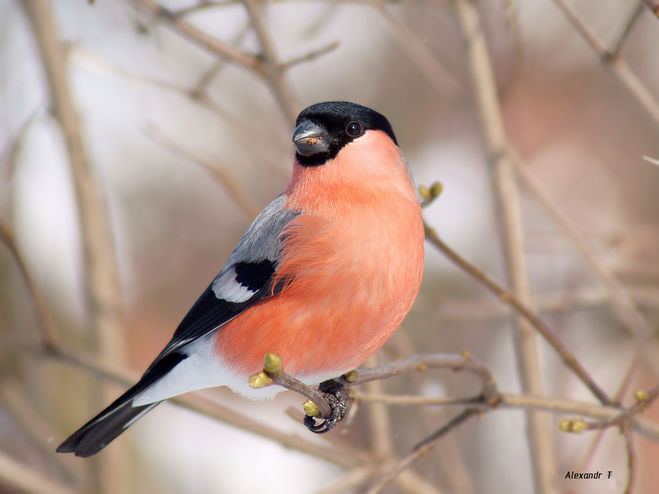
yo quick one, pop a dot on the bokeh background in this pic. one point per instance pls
(184, 146)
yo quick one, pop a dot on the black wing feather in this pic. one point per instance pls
(115, 419)
(209, 312)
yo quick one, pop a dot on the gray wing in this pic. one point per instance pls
(245, 279)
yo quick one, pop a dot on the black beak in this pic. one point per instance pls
(310, 138)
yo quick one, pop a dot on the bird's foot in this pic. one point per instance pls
(336, 396)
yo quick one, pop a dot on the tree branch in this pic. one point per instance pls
(509, 299)
(220, 172)
(45, 322)
(199, 37)
(25, 479)
(420, 450)
(273, 68)
(645, 427)
(526, 340)
(653, 5)
(101, 285)
(617, 66)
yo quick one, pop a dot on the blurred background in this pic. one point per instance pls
(183, 134)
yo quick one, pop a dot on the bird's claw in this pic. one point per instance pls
(336, 396)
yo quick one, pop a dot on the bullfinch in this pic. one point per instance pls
(322, 278)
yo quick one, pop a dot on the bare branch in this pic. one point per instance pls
(418, 52)
(45, 321)
(101, 279)
(348, 481)
(26, 479)
(631, 459)
(526, 340)
(241, 130)
(101, 285)
(474, 309)
(643, 400)
(509, 299)
(618, 66)
(203, 5)
(12, 147)
(626, 30)
(420, 450)
(220, 172)
(653, 5)
(617, 398)
(199, 37)
(622, 302)
(379, 423)
(20, 406)
(654, 161)
(310, 56)
(421, 363)
(272, 66)
(645, 427)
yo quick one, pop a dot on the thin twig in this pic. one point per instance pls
(310, 55)
(220, 172)
(203, 5)
(626, 30)
(199, 37)
(513, 27)
(289, 382)
(638, 407)
(16, 403)
(10, 151)
(242, 130)
(45, 322)
(631, 458)
(509, 299)
(349, 481)
(420, 450)
(410, 482)
(654, 161)
(419, 54)
(617, 398)
(273, 70)
(622, 302)
(273, 373)
(618, 66)
(475, 309)
(24, 478)
(199, 91)
(645, 427)
(379, 423)
(653, 5)
(421, 363)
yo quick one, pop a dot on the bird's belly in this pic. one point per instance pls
(334, 315)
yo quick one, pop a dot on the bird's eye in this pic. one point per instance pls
(354, 129)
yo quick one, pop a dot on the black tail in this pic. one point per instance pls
(120, 415)
(105, 427)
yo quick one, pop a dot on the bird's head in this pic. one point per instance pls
(323, 129)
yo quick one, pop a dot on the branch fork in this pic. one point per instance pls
(328, 400)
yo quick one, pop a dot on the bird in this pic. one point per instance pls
(322, 277)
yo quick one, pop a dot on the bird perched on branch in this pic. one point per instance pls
(322, 277)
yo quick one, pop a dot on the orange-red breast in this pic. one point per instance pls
(322, 278)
